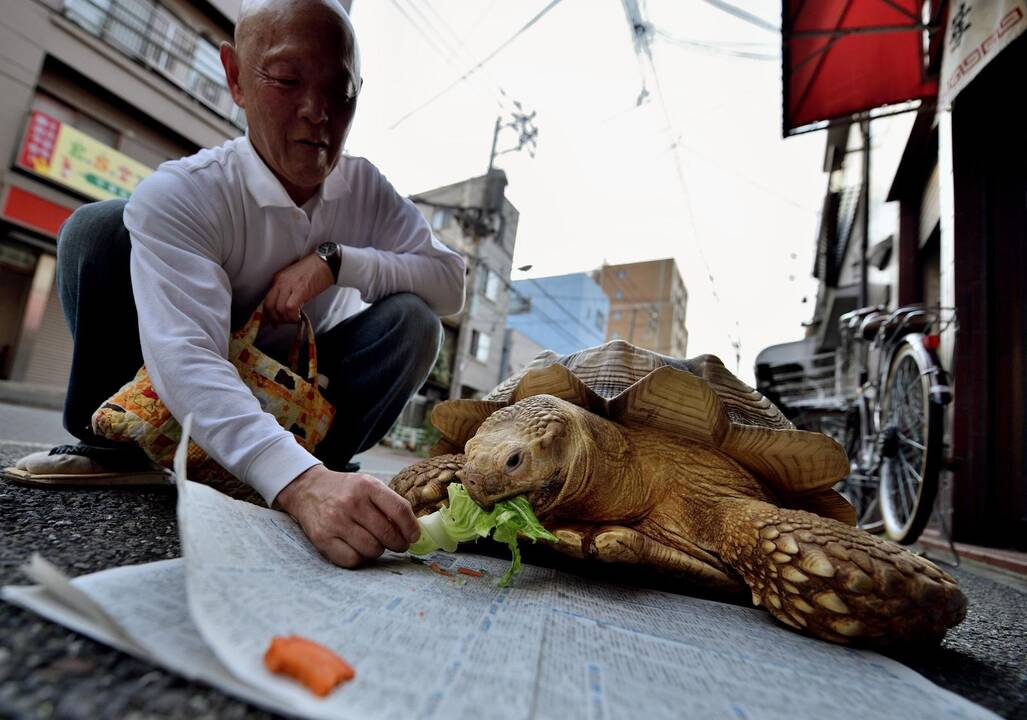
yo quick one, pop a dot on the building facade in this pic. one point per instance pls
(563, 313)
(518, 351)
(959, 245)
(94, 94)
(648, 302)
(474, 218)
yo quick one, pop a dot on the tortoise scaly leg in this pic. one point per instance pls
(836, 582)
(619, 544)
(424, 484)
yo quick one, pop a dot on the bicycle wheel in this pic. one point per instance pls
(858, 487)
(911, 440)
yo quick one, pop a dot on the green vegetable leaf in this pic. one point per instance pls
(463, 520)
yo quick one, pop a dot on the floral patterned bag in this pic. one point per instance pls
(136, 414)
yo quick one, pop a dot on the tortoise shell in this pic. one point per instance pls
(696, 399)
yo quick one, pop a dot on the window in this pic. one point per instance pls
(206, 77)
(480, 346)
(519, 304)
(169, 45)
(128, 25)
(621, 274)
(147, 30)
(617, 315)
(90, 14)
(439, 218)
(490, 285)
(619, 295)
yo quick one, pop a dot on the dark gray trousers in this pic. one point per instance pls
(374, 360)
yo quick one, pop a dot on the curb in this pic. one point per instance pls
(48, 397)
(1010, 561)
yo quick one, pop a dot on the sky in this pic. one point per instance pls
(697, 171)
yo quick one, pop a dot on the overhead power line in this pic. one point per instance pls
(715, 49)
(552, 4)
(744, 15)
(559, 325)
(642, 35)
(560, 305)
(431, 42)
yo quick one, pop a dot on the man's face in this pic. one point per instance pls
(297, 78)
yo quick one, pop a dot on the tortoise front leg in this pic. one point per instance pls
(424, 484)
(620, 544)
(834, 581)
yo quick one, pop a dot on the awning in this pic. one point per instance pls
(843, 57)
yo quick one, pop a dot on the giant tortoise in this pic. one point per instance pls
(629, 456)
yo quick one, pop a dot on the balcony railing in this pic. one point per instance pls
(149, 33)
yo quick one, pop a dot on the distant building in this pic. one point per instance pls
(474, 218)
(563, 313)
(518, 351)
(648, 301)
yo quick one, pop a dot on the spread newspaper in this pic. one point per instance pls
(430, 645)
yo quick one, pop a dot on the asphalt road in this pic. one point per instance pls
(47, 671)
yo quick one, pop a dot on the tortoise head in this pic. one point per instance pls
(569, 462)
(521, 449)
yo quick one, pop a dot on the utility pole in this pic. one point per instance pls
(864, 287)
(527, 135)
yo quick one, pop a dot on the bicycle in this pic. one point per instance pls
(894, 425)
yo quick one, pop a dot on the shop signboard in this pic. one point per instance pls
(65, 155)
(977, 31)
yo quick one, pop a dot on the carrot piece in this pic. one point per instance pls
(439, 570)
(468, 571)
(307, 662)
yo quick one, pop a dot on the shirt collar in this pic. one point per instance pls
(268, 191)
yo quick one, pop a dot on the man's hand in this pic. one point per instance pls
(293, 286)
(350, 517)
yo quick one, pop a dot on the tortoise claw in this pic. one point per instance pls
(424, 484)
(838, 583)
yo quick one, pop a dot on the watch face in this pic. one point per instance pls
(326, 249)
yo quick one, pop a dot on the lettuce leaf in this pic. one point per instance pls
(463, 520)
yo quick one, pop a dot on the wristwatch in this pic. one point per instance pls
(331, 253)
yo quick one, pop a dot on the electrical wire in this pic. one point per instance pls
(460, 46)
(560, 305)
(449, 57)
(576, 341)
(715, 49)
(409, 114)
(744, 15)
(641, 33)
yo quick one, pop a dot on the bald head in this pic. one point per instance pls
(295, 69)
(259, 20)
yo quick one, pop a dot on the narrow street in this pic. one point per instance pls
(47, 670)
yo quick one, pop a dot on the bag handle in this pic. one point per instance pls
(248, 335)
(294, 354)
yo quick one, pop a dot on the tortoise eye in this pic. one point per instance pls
(513, 461)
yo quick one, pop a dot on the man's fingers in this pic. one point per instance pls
(340, 553)
(291, 307)
(362, 541)
(397, 510)
(375, 522)
(272, 303)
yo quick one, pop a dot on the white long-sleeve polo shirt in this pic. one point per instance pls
(208, 234)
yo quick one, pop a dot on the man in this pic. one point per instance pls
(214, 234)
